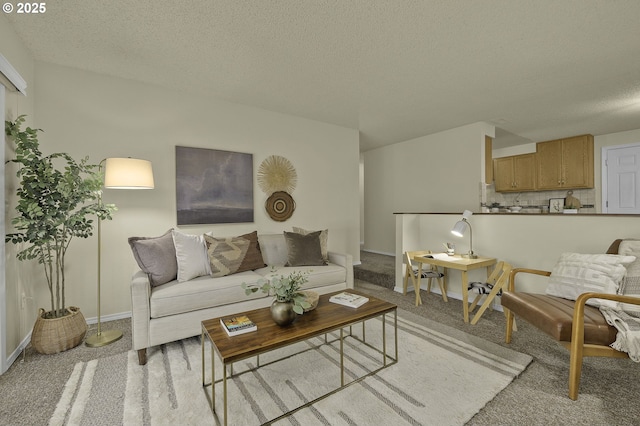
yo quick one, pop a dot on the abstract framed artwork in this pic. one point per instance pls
(213, 186)
(556, 205)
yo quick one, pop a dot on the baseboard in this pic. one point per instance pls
(16, 353)
(107, 318)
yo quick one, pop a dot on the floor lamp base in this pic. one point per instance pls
(103, 339)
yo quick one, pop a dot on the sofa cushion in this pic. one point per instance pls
(324, 240)
(191, 255)
(200, 293)
(319, 276)
(156, 256)
(231, 255)
(303, 250)
(576, 273)
(274, 249)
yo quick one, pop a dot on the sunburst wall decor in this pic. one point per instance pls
(276, 174)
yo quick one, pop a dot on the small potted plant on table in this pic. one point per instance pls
(289, 300)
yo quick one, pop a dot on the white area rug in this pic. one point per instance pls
(443, 377)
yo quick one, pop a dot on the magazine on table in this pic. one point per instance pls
(441, 256)
(238, 325)
(349, 299)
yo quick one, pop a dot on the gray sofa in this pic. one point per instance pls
(175, 310)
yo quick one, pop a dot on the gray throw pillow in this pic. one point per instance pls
(324, 238)
(156, 256)
(304, 250)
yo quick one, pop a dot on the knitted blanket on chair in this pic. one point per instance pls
(628, 337)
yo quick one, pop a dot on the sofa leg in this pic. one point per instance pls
(142, 356)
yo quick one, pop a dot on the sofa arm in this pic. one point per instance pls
(140, 310)
(345, 260)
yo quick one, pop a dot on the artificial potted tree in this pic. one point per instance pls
(57, 196)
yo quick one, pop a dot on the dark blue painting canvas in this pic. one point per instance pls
(213, 186)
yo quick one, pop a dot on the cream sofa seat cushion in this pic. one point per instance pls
(200, 293)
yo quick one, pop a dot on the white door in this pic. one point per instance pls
(621, 179)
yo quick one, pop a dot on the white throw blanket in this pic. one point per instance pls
(628, 338)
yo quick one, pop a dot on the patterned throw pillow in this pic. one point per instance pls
(231, 255)
(577, 273)
(156, 256)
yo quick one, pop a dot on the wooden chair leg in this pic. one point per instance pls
(443, 289)
(475, 302)
(429, 285)
(510, 321)
(576, 350)
(416, 285)
(575, 370)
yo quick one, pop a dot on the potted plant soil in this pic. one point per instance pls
(57, 197)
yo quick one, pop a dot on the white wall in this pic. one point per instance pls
(84, 113)
(435, 173)
(18, 320)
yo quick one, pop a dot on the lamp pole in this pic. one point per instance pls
(101, 338)
(471, 255)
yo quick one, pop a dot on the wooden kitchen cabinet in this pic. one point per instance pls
(565, 163)
(516, 173)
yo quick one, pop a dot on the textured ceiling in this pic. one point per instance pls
(394, 69)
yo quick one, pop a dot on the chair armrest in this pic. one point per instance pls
(578, 312)
(512, 275)
(577, 333)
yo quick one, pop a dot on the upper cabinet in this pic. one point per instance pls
(515, 174)
(565, 163)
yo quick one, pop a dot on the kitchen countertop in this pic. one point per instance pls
(504, 213)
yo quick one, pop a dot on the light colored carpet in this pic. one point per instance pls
(437, 365)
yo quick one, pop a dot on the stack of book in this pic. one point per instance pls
(349, 299)
(238, 325)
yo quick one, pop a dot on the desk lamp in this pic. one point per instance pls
(119, 173)
(458, 231)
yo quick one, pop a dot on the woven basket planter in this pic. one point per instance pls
(55, 335)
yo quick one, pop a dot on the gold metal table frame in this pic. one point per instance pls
(387, 360)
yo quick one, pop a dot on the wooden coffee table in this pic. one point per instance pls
(325, 318)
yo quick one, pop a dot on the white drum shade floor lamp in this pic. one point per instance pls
(119, 173)
(458, 231)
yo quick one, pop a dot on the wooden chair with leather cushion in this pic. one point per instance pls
(492, 288)
(580, 328)
(430, 273)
